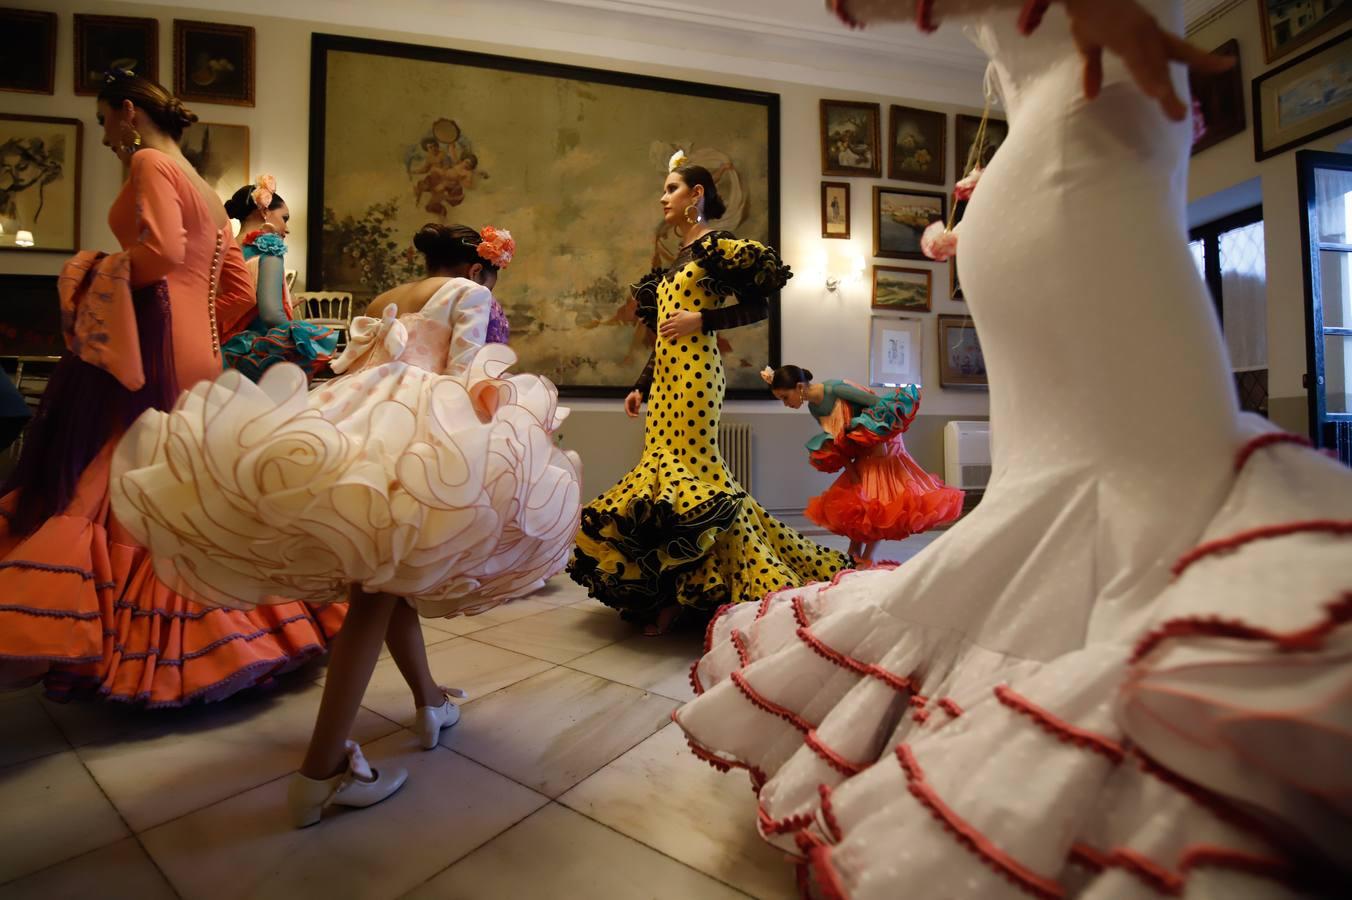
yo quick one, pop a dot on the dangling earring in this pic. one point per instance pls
(131, 139)
(802, 392)
(692, 215)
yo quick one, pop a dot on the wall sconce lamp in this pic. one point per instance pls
(856, 270)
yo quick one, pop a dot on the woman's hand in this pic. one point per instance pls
(1124, 28)
(680, 324)
(632, 404)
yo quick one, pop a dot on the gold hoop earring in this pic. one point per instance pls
(692, 216)
(131, 139)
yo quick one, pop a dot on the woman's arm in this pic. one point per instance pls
(272, 290)
(163, 242)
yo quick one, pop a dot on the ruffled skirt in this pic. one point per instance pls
(885, 496)
(305, 344)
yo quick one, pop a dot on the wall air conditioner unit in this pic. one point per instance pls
(967, 455)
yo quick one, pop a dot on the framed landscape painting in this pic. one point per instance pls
(39, 184)
(901, 290)
(1288, 25)
(900, 217)
(402, 135)
(1303, 99)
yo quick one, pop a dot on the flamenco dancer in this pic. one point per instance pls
(274, 335)
(1127, 673)
(421, 481)
(678, 534)
(80, 606)
(882, 494)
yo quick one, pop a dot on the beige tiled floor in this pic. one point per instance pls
(565, 779)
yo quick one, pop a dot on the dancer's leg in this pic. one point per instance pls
(354, 655)
(866, 551)
(405, 640)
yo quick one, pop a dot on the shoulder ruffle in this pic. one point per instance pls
(739, 267)
(645, 297)
(266, 245)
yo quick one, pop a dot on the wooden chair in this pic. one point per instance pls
(291, 281)
(331, 308)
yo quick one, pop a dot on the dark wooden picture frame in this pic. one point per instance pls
(924, 158)
(106, 42)
(27, 51)
(961, 362)
(1274, 47)
(383, 207)
(904, 305)
(1268, 95)
(214, 63)
(965, 129)
(897, 226)
(46, 172)
(1219, 101)
(836, 219)
(841, 141)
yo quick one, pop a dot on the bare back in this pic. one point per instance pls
(410, 297)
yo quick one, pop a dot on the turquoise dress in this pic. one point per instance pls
(273, 336)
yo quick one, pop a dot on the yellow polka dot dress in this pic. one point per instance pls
(678, 528)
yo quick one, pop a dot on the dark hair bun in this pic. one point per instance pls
(788, 377)
(807, 374)
(714, 207)
(448, 246)
(432, 239)
(698, 176)
(240, 204)
(176, 112)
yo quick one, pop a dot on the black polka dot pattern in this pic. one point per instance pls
(678, 527)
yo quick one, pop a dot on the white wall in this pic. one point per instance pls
(792, 49)
(1231, 163)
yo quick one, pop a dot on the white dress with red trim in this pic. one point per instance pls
(1129, 671)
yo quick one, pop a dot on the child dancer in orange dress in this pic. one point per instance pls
(882, 495)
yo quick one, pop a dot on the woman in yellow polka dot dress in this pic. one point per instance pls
(678, 534)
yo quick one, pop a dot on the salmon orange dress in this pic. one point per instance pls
(79, 601)
(882, 494)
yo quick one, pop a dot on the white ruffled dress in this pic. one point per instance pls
(425, 470)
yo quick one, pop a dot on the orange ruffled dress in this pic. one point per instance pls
(883, 494)
(79, 602)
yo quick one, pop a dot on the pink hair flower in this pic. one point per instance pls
(938, 242)
(963, 189)
(496, 246)
(264, 189)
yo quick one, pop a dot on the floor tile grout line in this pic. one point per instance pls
(569, 667)
(52, 721)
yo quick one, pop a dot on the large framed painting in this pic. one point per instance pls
(1217, 102)
(214, 63)
(1303, 99)
(1290, 24)
(851, 138)
(900, 217)
(27, 51)
(916, 139)
(39, 184)
(114, 42)
(571, 160)
(220, 154)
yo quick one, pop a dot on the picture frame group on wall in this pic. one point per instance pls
(1217, 102)
(114, 42)
(916, 145)
(1288, 25)
(1303, 99)
(40, 195)
(895, 356)
(899, 289)
(900, 217)
(27, 51)
(851, 138)
(836, 210)
(214, 63)
(961, 362)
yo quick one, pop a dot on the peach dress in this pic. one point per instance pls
(78, 592)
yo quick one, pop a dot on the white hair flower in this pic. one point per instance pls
(677, 160)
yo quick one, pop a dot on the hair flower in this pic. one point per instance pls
(677, 160)
(264, 188)
(939, 242)
(964, 188)
(496, 246)
(767, 375)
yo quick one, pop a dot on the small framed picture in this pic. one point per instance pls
(900, 217)
(961, 364)
(916, 145)
(894, 356)
(40, 200)
(220, 154)
(965, 130)
(1217, 102)
(114, 42)
(27, 51)
(835, 209)
(901, 290)
(850, 138)
(1291, 24)
(1303, 99)
(214, 63)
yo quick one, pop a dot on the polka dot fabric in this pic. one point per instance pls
(678, 528)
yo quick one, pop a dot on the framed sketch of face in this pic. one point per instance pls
(39, 184)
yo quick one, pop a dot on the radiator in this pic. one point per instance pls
(734, 445)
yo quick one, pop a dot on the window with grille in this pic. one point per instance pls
(1230, 255)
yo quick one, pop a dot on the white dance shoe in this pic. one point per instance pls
(359, 786)
(431, 720)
